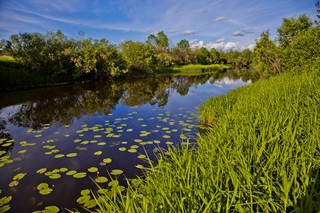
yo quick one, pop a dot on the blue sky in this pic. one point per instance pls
(222, 24)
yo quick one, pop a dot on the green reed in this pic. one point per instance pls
(260, 153)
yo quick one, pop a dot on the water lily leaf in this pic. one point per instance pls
(80, 175)
(129, 130)
(70, 155)
(97, 136)
(141, 156)
(85, 192)
(101, 179)
(56, 171)
(90, 204)
(63, 169)
(116, 172)
(71, 172)
(45, 191)
(67, 135)
(134, 146)
(132, 150)
(139, 166)
(19, 176)
(77, 140)
(166, 136)
(93, 169)
(122, 149)
(13, 183)
(102, 143)
(59, 156)
(22, 151)
(55, 176)
(38, 135)
(98, 153)
(83, 199)
(5, 208)
(5, 200)
(51, 209)
(137, 140)
(169, 143)
(107, 160)
(42, 186)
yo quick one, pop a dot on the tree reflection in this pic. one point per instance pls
(61, 105)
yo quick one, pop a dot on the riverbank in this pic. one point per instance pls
(13, 76)
(260, 153)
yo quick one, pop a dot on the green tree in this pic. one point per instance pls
(183, 44)
(203, 56)
(291, 27)
(139, 57)
(318, 12)
(160, 42)
(266, 60)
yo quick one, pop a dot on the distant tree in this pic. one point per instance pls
(203, 56)
(215, 56)
(160, 42)
(139, 57)
(291, 27)
(266, 60)
(318, 12)
(183, 44)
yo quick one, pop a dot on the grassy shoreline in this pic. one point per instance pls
(261, 154)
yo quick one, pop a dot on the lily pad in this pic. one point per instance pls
(132, 150)
(107, 160)
(71, 172)
(98, 153)
(93, 169)
(22, 151)
(13, 183)
(116, 172)
(5, 200)
(59, 156)
(55, 176)
(122, 149)
(19, 176)
(70, 155)
(80, 175)
(46, 191)
(101, 179)
(83, 199)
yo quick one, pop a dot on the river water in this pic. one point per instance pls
(55, 141)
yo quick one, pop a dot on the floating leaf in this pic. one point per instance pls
(51, 209)
(19, 176)
(102, 143)
(93, 169)
(42, 186)
(59, 156)
(37, 136)
(5, 208)
(122, 149)
(107, 160)
(141, 156)
(129, 130)
(55, 176)
(5, 200)
(134, 146)
(22, 151)
(71, 172)
(101, 179)
(46, 191)
(169, 143)
(80, 175)
(63, 169)
(166, 136)
(83, 199)
(97, 136)
(90, 204)
(139, 166)
(98, 153)
(77, 140)
(116, 172)
(85, 192)
(41, 171)
(13, 183)
(70, 155)
(132, 150)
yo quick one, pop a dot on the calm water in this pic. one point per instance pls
(53, 135)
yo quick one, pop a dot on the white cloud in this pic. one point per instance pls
(189, 32)
(221, 18)
(220, 40)
(222, 45)
(237, 33)
(251, 46)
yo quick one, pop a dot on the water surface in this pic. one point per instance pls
(50, 135)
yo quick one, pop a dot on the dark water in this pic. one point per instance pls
(76, 127)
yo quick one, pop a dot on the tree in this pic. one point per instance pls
(183, 44)
(160, 42)
(318, 12)
(139, 57)
(203, 56)
(266, 60)
(291, 27)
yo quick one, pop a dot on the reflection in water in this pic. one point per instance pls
(61, 105)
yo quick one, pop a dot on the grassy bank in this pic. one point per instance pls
(260, 154)
(200, 67)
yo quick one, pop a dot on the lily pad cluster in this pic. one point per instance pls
(16, 179)
(4, 203)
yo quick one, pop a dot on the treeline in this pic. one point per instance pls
(55, 54)
(297, 44)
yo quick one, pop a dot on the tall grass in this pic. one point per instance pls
(260, 154)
